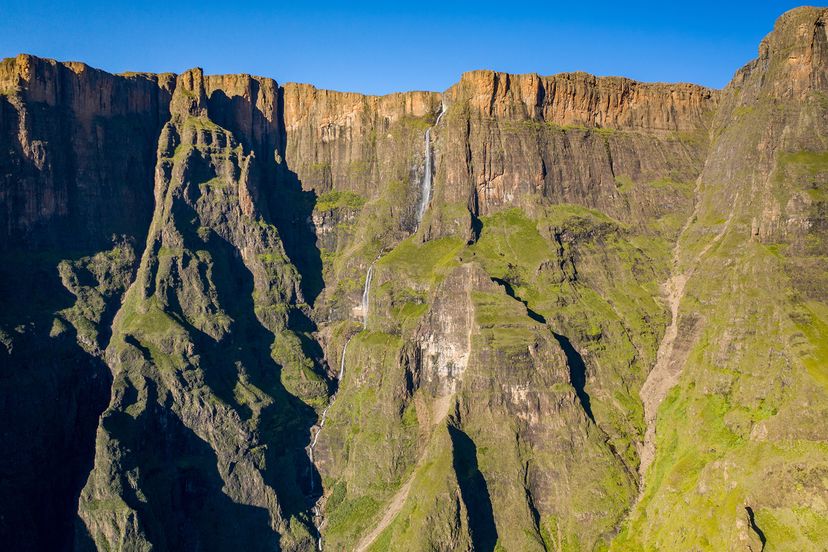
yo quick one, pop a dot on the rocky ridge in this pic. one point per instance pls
(589, 276)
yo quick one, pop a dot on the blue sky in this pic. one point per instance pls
(380, 47)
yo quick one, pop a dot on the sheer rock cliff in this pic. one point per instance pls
(607, 332)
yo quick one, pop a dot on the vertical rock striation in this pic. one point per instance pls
(78, 154)
(739, 427)
(611, 278)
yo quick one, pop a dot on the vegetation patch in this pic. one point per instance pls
(335, 199)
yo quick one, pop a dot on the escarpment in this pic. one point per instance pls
(228, 323)
(197, 348)
(753, 250)
(75, 176)
(572, 138)
(81, 151)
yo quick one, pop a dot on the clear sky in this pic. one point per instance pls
(379, 47)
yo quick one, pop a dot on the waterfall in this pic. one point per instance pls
(425, 197)
(426, 183)
(316, 430)
(366, 294)
(317, 514)
(342, 361)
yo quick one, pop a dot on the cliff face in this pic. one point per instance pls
(196, 345)
(346, 141)
(740, 390)
(571, 138)
(81, 151)
(76, 170)
(221, 304)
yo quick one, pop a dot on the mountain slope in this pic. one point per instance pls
(607, 330)
(740, 443)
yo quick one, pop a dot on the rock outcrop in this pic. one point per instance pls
(613, 312)
(75, 176)
(571, 138)
(739, 425)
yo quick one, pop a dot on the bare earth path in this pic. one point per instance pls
(441, 409)
(667, 369)
(394, 508)
(439, 412)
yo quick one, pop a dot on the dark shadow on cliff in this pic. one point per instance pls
(243, 356)
(53, 391)
(755, 528)
(474, 491)
(510, 291)
(574, 360)
(577, 373)
(108, 191)
(184, 506)
(290, 207)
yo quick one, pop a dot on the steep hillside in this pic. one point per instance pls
(76, 195)
(740, 441)
(527, 313)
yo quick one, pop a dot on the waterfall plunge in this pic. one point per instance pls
(425, 198)
(426, 183)
(366, 294)
(342, 361)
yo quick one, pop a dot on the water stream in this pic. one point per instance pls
(426, 182)
(342, 361)
(425, 198)
(366, 293)
(315, 431)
